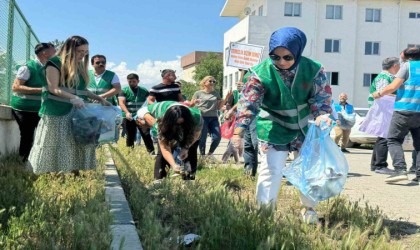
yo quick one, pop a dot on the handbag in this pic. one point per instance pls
(227, 128)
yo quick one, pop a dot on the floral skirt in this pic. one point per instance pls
(55, 149)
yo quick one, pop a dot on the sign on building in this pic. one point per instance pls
(244, 56)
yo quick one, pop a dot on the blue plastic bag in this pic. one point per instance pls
(320, 171)
(347, 121)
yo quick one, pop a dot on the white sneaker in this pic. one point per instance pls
(309, 216)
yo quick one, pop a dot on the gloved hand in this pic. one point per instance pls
(326, 118)
(77, 102)
(128, 116)
(177, 170)
(183, 154)
(237, 142)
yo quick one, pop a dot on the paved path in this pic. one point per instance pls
(398, 201)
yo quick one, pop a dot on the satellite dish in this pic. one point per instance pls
(247, 11)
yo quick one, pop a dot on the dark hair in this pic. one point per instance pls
(96, 56)
(166, 71)
(42, 46)
(412, 53)
(133, 76)
(170, 131)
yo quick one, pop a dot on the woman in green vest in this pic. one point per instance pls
(176, 126)
(283, 92)
(55, 149)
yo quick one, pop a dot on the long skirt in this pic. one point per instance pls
(55, 149)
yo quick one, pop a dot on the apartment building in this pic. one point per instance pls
(349, 37)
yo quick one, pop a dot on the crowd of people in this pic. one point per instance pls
(272, 108)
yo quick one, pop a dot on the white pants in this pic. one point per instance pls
(270, 176)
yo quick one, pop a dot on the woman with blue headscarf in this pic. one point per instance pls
(282, 93)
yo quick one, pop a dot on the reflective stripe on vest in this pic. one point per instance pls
(29, 97)
(65, 89)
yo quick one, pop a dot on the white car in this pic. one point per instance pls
(357, 137)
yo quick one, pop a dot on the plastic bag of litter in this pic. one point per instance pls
(320, 171)
(96, 124)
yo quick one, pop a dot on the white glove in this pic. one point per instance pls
(128, 116)
(77, 102)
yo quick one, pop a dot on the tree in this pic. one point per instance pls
(57, 43)
(210, 65)
(188, 89)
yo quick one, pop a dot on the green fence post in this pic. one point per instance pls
(28, 43)
(9, 50)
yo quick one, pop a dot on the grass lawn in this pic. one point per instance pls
(220, 207)
(53, 211)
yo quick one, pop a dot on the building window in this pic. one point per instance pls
(334, 12)
(373, 15)
(413, 46)
(292, 9)
(253, 13)
(332, 46)
(236, 76)
(413, 15)
(332, 77)
(371, 48)
(260, 10)
(367, 79)
(225, 82)
(230, 81)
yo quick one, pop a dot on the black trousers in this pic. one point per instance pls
(27, 122)
(161, 163)
(379, 154)
(131, 129)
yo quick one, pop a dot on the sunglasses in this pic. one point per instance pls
(288, 58)
(212, 81)
(100, 62)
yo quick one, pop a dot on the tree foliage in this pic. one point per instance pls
(210, 65)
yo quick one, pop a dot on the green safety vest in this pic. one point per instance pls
(158, 110)
(134, 103)
(284, 112)
(58, 106)
(30, 102)
(383, 75)
(104, 85)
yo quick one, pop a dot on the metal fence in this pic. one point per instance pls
(17, 42)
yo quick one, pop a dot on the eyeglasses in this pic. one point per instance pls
(100, 62)
(288, 58)
(212, 81)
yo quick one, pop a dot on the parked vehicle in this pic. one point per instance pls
(357, 137)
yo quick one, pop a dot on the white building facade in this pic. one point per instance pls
(349, 37)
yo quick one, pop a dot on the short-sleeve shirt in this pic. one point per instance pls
(404, 71)
(209, 102)
(163, 92)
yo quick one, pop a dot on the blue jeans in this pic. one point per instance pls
(251, 148)
(401, 124)
(211, 125)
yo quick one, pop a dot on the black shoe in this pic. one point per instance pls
(345, 150)
(384, 171)
(398, 176)
(412, 169)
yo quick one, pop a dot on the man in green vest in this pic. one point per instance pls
(26, 98)
(104, 83)
(132, 99)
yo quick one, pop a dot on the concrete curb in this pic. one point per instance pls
(124, 233)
